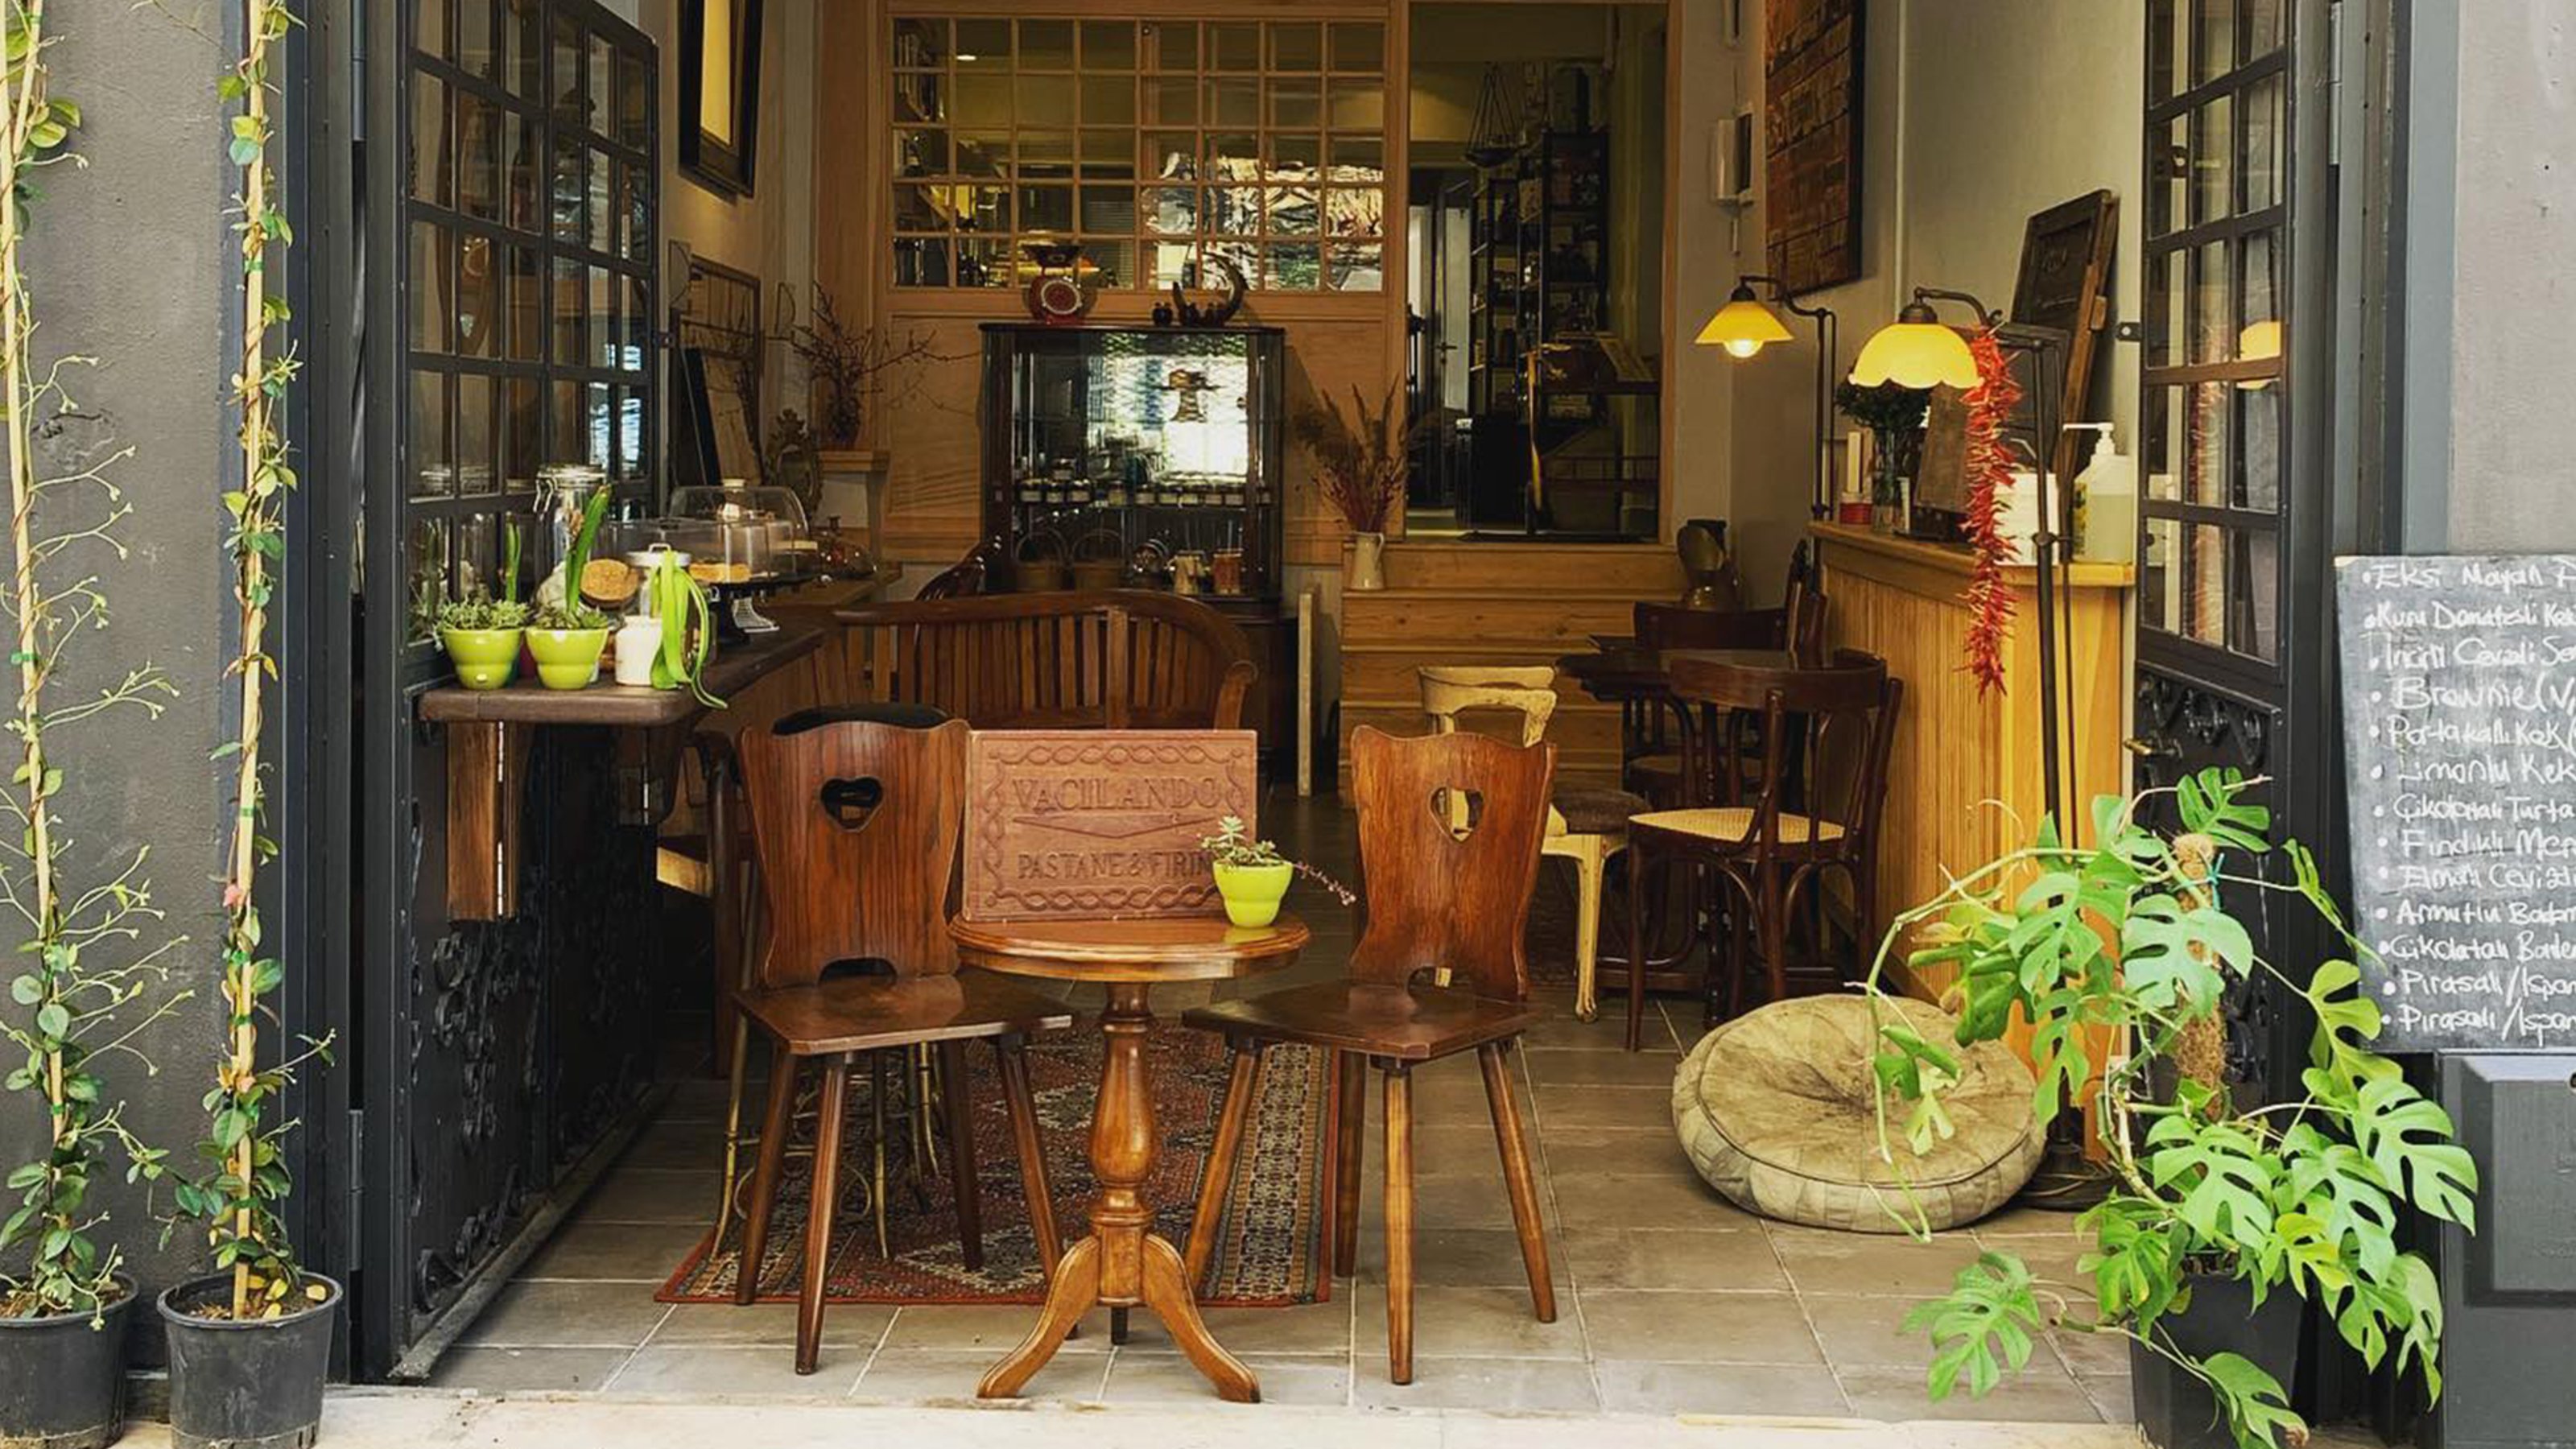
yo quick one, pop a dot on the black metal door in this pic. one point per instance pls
(2236, 409)
(511, 242)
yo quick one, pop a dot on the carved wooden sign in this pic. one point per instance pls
(1100, 824)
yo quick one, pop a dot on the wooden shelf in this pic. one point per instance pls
(488, 745)
(619, 706)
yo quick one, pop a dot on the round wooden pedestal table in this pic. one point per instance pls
(1123, 1264)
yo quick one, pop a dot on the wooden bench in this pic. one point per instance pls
(1107, 659)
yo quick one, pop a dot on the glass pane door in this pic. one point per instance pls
(2217, 222)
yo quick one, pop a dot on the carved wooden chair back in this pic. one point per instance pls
(1813, 742)
(856, 824)
(1099, 659)
(1437, 900)
(1527, 691)
(1449, 690)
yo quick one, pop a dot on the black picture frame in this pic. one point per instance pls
(721, 165)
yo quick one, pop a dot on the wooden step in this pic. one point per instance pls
(1651, 570)
(1489, 619)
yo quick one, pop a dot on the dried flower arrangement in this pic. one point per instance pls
(1360, 460)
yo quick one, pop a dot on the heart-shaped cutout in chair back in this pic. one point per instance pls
(1458, 809)
(851, 803)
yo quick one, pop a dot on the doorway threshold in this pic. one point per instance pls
(386, 1418)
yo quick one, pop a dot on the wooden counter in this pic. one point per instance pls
(1958, 750)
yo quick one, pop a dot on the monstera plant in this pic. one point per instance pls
(2217, 1215)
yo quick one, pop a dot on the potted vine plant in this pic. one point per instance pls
(1252, 877)
(1359, 460)
(250, 1344)
(566, 635)
(2221, 1220)
(81, 970)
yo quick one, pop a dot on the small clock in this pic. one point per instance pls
(1060, 284)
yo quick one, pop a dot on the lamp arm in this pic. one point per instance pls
(1781, 294)
(1929, 295)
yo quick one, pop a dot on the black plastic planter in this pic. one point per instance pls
(256, 1384)
(62, 1382)
(2175, 1409)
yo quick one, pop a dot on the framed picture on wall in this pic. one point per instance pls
(720, 93)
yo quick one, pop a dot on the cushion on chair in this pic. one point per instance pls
(1774, 1109)
(1596, 812)
(1736, 823)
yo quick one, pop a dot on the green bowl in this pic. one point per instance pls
(484, 658)
(567, 658)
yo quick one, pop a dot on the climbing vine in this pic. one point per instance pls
(248, 1176)
(82, 968)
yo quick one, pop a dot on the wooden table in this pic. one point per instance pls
(1123, 1263)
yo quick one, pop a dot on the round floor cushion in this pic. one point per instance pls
(1774, 1109)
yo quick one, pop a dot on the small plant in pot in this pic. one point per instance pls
(482, 639)
(250, 1344)
(565, 635)
(2221, 1220)
(1252, 877)
(482, 635)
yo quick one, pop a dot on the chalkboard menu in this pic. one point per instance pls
(2459, 685)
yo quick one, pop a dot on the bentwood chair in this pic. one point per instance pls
(1442, 905)
(1650, 744)
(1753, 736)
(856, 825)
(1585, 826)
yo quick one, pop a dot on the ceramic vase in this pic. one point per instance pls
(1366, 568)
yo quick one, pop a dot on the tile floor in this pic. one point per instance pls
(1669, 1299)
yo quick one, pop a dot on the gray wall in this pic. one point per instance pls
(130, 261)
(2502, 377)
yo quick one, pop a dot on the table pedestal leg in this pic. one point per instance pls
(1122, 1264)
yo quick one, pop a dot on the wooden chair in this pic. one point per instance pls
(1650, 749)
(1102, 659)
(1585, 826)
(1826, 731)
(1438, 904)
(856, 826)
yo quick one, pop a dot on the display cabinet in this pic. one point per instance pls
(1136, 456)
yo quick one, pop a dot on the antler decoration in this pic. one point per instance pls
(1989, 468)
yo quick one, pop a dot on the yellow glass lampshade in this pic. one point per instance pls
(1743, 326)
(1916, 351)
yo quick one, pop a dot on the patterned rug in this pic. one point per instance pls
(1269, 1247)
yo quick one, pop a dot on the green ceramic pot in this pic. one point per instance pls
(1253, 892)
(567, 658)
(484, 658)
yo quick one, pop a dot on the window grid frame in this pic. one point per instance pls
(465, 528)
(1143, 241)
